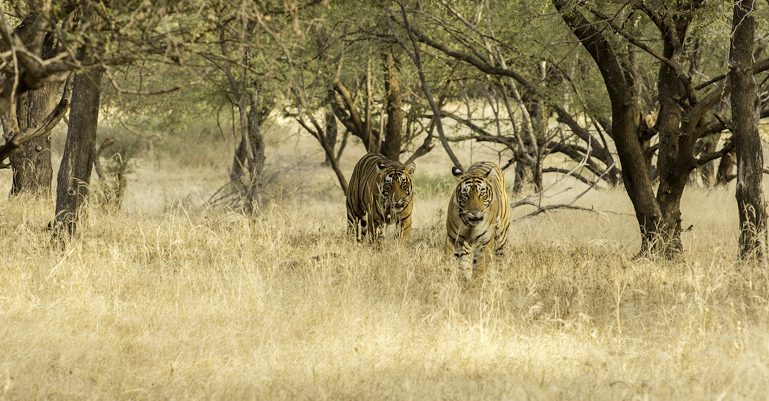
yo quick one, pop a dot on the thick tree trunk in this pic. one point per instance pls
(31, 161)
(391, 148)
(77, 162)
(33, 108)
(635, 175)
(751, 206)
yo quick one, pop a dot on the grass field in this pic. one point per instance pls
(168, 299)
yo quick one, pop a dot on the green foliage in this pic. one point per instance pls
(432, 185)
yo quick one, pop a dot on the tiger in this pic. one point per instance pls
(380, 192)
(478, 216)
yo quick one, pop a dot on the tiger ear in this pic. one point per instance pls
(492, 173)
(457, 173)
(380, 165)
(411, 168)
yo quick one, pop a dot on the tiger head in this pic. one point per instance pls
(474, 196)
(395, 188)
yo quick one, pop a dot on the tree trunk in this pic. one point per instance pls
(256, 165)
(31, 162)
(708, 170)
(75, 171)
(523, 176)
(331, 132)
(391, 148)
(751, 206)
(38, 170)
(11, 128)
(725, 168)
(675, 157)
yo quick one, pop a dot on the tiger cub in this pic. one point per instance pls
(478, 216)
(380, 192)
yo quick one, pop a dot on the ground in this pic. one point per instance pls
(171, 299)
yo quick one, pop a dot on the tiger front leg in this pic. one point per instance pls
(461, 252)
(355, 227)
(404, 232)
(482, 259)
(374, 231)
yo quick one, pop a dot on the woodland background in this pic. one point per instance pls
(191, 244)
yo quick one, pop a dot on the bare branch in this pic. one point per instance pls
(536, 199)
(415, 57)
(43, 127)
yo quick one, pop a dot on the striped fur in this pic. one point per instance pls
(478, 217)
(380, 192)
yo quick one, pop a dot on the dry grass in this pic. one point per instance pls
(170, 300)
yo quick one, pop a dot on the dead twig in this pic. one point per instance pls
(536, 198)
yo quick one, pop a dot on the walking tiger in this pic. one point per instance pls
(380, 192)
(478, 216)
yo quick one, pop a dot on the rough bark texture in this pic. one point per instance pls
(391, 148)
(77, 162)
(31, 161)
(750, 196)
(33, 107)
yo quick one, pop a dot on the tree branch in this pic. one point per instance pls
(43, 127)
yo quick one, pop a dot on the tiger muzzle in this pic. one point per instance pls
(473, 219)
(393, 208)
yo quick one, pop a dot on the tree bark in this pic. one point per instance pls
(76, 165)
(391, 148)
(31, 161)
(751, 205)
(37, 169)
(332, 130)
(256, 164)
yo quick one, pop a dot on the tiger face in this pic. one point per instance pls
(395, 190)
(474, 198)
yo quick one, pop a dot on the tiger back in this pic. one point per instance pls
(380, 193)
(478, 217)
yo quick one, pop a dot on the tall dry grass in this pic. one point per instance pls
(168, 299)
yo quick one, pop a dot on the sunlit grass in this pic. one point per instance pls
(184, 301)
